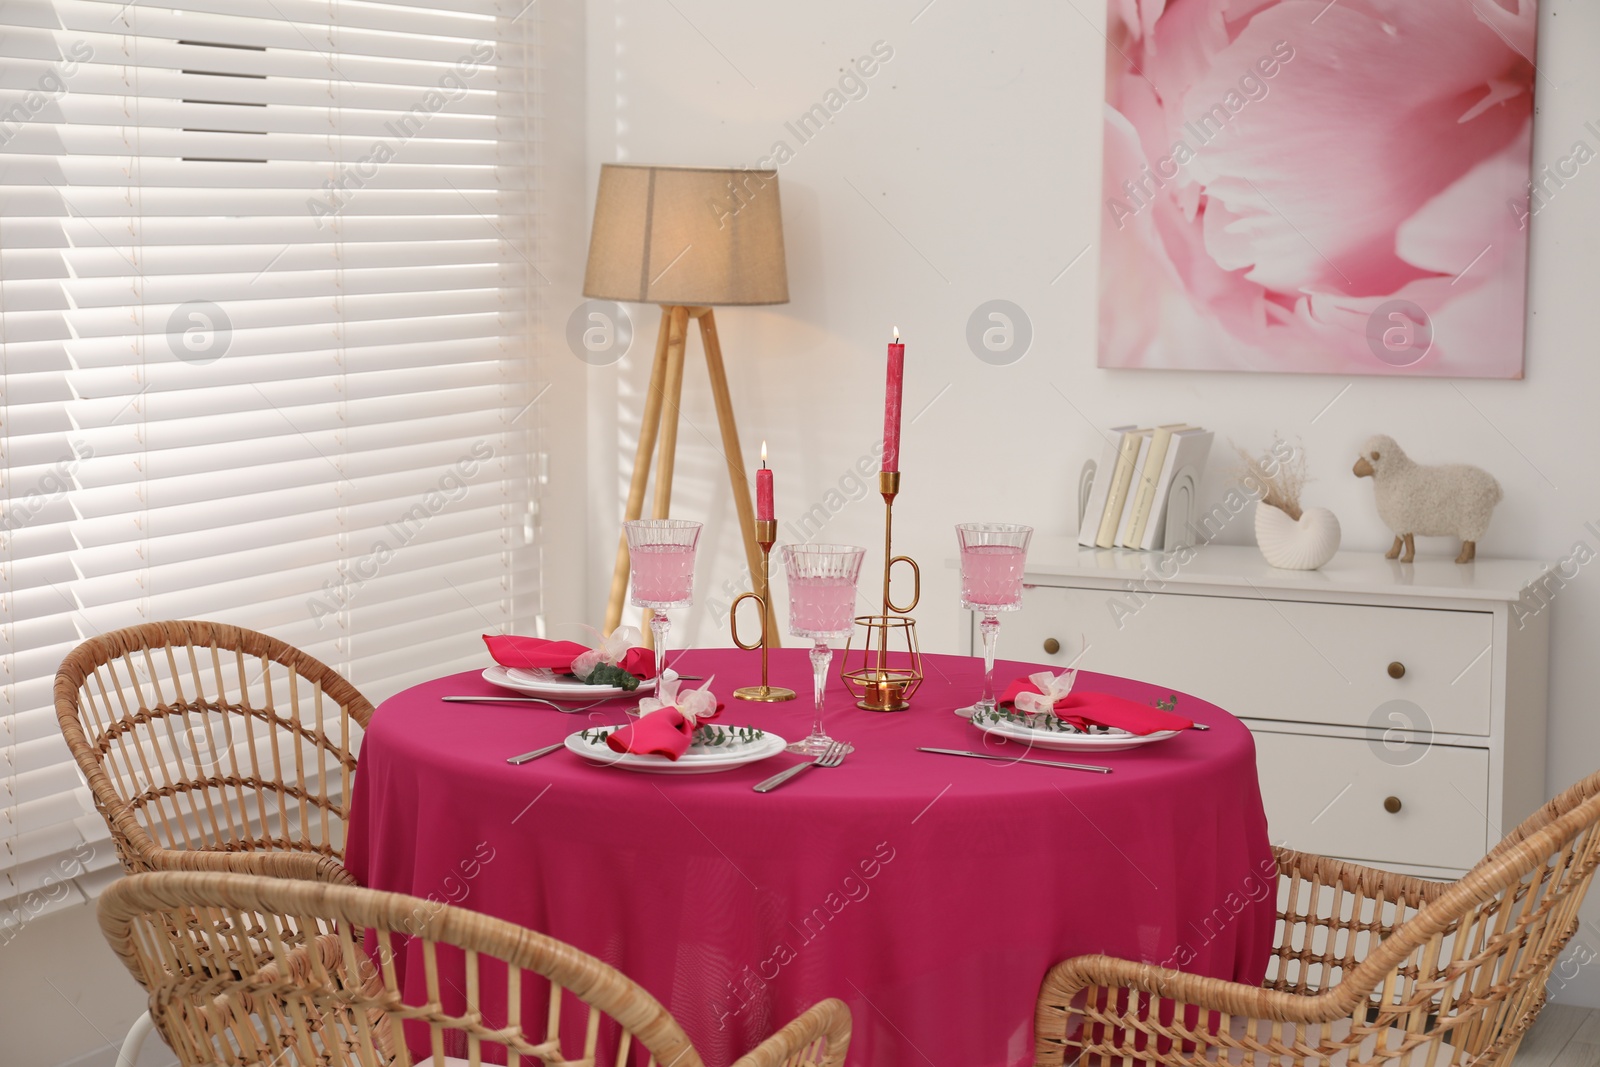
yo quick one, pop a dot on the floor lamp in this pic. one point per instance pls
(689, 239)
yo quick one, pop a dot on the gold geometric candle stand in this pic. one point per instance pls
(877, 684)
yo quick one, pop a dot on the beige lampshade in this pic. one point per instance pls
(699, 236)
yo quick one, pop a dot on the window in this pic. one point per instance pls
(266, 312)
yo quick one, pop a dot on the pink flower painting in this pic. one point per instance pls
(1333, 188)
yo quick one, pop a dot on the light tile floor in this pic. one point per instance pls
(1564, 1036)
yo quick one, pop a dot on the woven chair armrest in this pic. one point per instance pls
(1067, 978)
(827, 1021)
(300, 967)
(1402, 889)
(305, 866)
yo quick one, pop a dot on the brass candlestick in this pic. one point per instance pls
(766, 536)
(876, 685)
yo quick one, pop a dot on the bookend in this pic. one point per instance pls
(1182, 503)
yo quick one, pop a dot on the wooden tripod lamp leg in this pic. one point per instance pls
(666, 458)
(659, 427)
(737, 476)
(677, 334)
(649, 425)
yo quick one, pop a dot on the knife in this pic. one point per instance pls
(513, 700)
(576, 697)
(1013, 759)
(536, 753)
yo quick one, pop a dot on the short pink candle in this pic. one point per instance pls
(764, 512)
(891, 403)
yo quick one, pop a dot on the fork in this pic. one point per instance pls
(525, 700)
(831, 758)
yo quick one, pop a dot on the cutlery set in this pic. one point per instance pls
(833, 757)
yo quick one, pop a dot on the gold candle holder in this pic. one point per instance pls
(876, 685)
(766, 536)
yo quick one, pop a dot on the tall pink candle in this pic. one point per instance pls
(764, 512)
(891, 403)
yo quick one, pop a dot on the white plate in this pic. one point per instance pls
(557, 688)
(695, 761)
(1112, 740)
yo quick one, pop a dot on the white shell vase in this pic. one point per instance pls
(1297, 546)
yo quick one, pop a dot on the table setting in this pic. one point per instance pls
(924, 836)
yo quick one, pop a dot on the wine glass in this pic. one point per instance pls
(822, 601)
(661, 559)
(992, 559)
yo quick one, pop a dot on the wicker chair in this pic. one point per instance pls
(211, 747)
(331, 1001)
(1370, 967)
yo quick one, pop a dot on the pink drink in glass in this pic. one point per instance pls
(822, 600)
(991, 575)
(821, 607)
(663, 575)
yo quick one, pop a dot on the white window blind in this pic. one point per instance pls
(266, 308)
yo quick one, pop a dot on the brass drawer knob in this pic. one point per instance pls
(1391, 805)
(1397, 669)
(1051, 645)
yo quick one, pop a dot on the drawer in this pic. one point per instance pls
(1327, 794)
(1284, 660)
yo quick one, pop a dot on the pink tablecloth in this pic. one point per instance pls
(930, 893)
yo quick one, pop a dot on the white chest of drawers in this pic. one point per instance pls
(1398, 709)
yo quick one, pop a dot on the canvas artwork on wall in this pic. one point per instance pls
(1316, 187)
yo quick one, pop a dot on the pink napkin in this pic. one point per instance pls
(666, 732)
(1102, 709)
(536, 652)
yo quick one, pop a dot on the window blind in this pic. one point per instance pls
(266, 307)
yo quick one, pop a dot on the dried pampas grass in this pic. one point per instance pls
(1275, 477)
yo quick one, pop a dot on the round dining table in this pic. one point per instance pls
(931, 893)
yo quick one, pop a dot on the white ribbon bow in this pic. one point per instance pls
(1052, 688)
(608, 649)
(693, 705)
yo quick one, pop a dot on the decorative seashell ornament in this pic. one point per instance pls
(1297, 546)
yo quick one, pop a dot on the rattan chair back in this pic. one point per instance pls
(200, 738)
(1369, 966)
(335, 1000)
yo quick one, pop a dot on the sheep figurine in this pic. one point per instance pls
(1453, 500)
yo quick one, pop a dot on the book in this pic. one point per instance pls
(1188, 448)
(1117, 489)
(1094, 511)
(1125, 524)
(1145, 481)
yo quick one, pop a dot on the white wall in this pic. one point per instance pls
(66, 999)
(970, 171)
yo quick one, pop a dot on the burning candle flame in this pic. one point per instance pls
(763, 453)
(897, 335)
